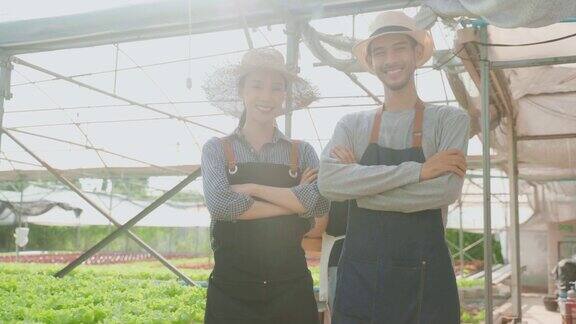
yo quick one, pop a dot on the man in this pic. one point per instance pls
(401, 165)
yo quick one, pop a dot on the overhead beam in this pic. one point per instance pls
(168, 19)
(514, 64)
(546, 137)
(104, 173)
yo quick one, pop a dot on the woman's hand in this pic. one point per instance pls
(249, 189)
(308, 176)
(343, 154)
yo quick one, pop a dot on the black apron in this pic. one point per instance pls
(395, 267)
(260, 273)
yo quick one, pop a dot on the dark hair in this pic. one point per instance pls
(241, 84)
(242, 121)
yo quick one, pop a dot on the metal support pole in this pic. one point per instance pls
(516, 285)
(485, 94)
(461, 240)
(100, 209)
(292, 50)
(245, 25)
(124, 228)
(5, 76)
(19, 215)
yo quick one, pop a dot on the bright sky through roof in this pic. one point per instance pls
(11, 10)
(154, 72)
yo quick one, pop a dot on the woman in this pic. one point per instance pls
(261, 193)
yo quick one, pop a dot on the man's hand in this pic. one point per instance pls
(343, 154)
(308, 176)
(452, 160)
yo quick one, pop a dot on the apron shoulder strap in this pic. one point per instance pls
(229, 154)
(294, 158)
(417, 128)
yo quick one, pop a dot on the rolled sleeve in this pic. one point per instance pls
(309, 194)
(222, 203)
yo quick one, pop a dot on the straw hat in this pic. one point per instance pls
(394, 22)
(221, 87)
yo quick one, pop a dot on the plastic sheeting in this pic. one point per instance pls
(543, 100)
(508, 13)
(318, 44)
(123, 209)
(9, 211)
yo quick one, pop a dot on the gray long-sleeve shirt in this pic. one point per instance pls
(394, 188)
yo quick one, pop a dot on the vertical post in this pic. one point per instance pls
(516, 286)
(19, 216)
(461, 241)
(292, 50)
(5, 76)
(485, 94)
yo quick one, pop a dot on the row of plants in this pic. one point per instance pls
(143, 292)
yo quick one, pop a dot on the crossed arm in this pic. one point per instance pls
(236, 202)
(408, 187)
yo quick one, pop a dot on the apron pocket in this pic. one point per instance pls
(401, 291)
(235, 300)
(355, 292)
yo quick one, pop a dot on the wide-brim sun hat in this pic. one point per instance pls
(394, 22)
(222, 85)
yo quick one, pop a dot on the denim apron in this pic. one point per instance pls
(395, 267)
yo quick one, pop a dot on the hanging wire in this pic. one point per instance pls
(444, 88)
(157, 85)
(315, 128)
(85, 146)
(438, 66)
(69, 117)
(144, 66)
(174, 102)
(264, 36)
(551, 110)
(213, 114)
